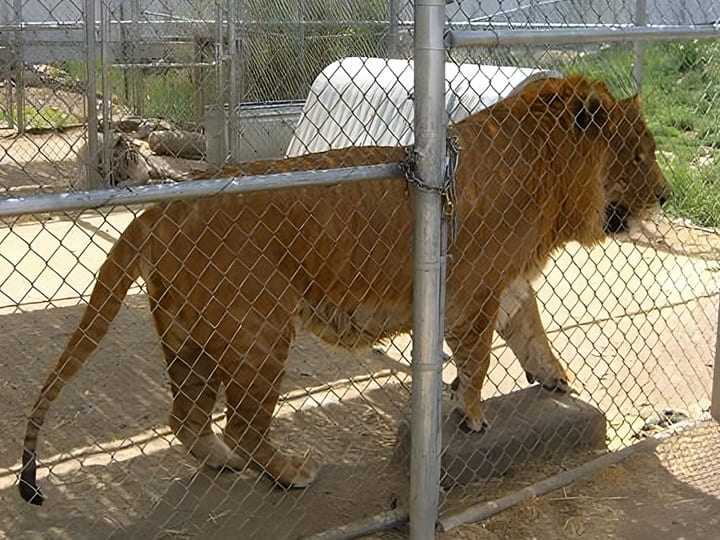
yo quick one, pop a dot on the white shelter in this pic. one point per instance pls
(369, 101)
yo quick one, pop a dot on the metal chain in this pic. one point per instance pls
(446, 190)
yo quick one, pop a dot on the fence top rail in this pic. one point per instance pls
(188, 27)
(494, 38)
(87, 200)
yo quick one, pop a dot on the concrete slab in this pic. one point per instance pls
(528, 424)
(53, 263)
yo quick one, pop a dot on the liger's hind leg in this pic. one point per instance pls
(252, 392)
(194, 386)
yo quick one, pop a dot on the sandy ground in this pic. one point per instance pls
(671, 492)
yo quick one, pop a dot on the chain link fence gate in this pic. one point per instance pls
(153, 91)
(621, 307)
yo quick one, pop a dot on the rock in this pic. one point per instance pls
(664, 420)
(166, 167)
(176, 143)
(127, 124)
(528, 424)
(144, 130)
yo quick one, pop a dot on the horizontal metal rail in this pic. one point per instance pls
(494, 38)
(181, 27)
(165, 65)
(533, 25)
(552, 33)
(85, 200)
(58, 41)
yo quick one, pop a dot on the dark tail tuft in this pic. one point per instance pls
(28, 485)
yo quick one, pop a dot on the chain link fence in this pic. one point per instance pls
(278, 339)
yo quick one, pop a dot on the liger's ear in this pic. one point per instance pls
(591, 113)
(633, 102)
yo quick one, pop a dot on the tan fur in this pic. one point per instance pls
(230, 277)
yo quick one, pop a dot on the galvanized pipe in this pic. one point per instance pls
(715, 397)
(219, 53)
(165, 65)
(484, 510)
(185, 27)
(639, 59)
(91, 56)
(487, 38)
(430, 132)
(214, 121)
(136, 76)
(107, 90)
(19, 69)
(393, 32)
(233, 56)
(85, 200)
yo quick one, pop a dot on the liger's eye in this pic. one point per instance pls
(639, 158)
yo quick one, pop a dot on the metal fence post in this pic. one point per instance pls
(91, 57)
(715, 396)
(106, 91)
(640, 19)
(135, 75)
(393, 36)
(19, 69)
(215, 122)
(428, 269)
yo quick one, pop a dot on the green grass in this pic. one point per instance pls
(681, 95)
(44, 118)
(170, 95)
(696, 194)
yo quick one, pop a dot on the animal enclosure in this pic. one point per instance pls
(109, 107)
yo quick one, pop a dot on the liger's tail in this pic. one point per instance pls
(116, 275)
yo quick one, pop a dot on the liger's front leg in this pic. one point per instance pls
(470, 341)
(519, 324)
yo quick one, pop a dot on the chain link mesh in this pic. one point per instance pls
(621, 333)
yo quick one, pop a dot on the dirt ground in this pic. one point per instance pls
(113, 470)
(671, 492)
(638, 336)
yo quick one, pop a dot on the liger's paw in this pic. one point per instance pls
(554, 384)
(468, 404)
(293, 471)
(305, 474)
(474, 425)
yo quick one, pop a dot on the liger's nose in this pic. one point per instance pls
(663, 197)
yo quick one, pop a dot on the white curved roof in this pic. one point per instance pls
(368, 101)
